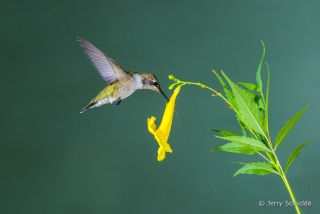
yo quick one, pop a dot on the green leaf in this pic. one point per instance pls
(258, 75)
(260, 103)
(225, 132)
(244, 133)
(258, 168)
(295, 154)
(250, 86)
(288, 126)
(249, 142)
(248, 108)
(257, 99)
(267, 102)
(229, 94)
(236, 148)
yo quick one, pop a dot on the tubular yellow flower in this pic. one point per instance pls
(162, 133)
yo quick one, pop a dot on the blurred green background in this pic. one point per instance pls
(55, 160)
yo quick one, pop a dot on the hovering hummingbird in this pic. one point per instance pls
(121, 84)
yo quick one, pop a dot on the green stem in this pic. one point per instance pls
(286, 183)
(284, 178)
(291, 194)
(264, 157)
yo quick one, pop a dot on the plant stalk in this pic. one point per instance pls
(286, 183)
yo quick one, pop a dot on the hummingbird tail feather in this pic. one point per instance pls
(96, 102)
(90, 105)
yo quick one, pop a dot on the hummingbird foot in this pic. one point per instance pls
(117, 101)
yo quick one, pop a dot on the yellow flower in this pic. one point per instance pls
(163, 131)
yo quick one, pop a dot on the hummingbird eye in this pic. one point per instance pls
(155, 83)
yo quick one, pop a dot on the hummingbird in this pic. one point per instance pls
(121, 84)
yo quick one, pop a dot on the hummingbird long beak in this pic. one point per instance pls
(165, 96)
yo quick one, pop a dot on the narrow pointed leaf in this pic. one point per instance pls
(288, 126)
(246, 141)
(295, 154)
(248, 108)
(250, 86)
(225, 132)
(244, 133)
(236, 148)
(258, 168)
(266, 125)
(229, 94)
(258, 75)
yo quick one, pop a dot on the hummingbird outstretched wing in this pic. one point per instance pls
(108, 69)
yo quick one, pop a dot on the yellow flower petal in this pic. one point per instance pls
(163, 131)
(161, 153)
(152, 125)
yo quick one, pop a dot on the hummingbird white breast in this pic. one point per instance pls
(137, 81)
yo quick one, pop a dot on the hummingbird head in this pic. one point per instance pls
(149, 81)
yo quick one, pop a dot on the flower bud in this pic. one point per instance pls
(172, 86)
(171, 77)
